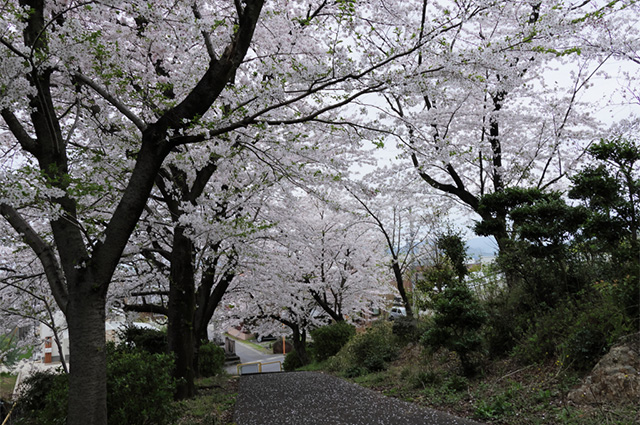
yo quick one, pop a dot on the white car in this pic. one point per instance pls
(396, 312)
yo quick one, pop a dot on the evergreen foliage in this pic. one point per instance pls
(211, 359)
(140, 391)
(456, 325)
(328, 340)
(153, 341)
(292, 361)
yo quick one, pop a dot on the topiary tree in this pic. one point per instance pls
(458, 317)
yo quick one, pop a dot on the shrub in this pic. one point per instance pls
(375, 348)
(328, 340)
(456, 325)
(43, 399)
(424, 378)
(577, 332)
(292, 361)
(139, 384)
(211, 359)
(585, 347)
(406, 328)
(151, 340)
(370, 351)
(456, 383)
(545, 334)
(599, 324)
(355, 371)
(140, 387)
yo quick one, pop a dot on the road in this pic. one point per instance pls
(249, 354)
(311, 398)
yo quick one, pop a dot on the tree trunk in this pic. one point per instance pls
(400, 283)
(300, 345)
(335, 314)
(88, 374)
(208, 297)
(181, 332)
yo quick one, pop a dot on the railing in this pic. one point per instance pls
(6, 419)
(257, 367)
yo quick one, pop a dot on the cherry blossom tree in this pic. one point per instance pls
(319, 263)
(487, 107)
(405, 218)
(95, 97)
(45, 48)
(81, 79)
(197, 257)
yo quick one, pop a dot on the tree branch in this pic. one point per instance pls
(207, 38)
(45, 254)
(27, 142)
(112, 100)
(147, 308)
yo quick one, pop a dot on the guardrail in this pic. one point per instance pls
(257, 367)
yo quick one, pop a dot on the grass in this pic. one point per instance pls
(214, 403)
(7, 382)
(262, 347)
(504, 393)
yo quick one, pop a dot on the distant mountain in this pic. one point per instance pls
(482, 247)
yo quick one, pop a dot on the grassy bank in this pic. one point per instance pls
(7, 382)
(505, 392)
(214, 403)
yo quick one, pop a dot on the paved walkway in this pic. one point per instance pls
(312, 398)
(249, 354)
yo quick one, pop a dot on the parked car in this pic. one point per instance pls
(396, 312)
(261, 338)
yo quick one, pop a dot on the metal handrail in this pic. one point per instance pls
(6, 419)
(260, 364)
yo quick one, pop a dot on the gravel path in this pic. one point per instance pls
(312, 398)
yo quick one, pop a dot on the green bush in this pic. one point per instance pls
(577, 332)
(211, 359)
(598, 325)
(151, 340)
(370, 351)
(292, 361)
(424, 378)
(375, 348)
(139, 384)
(456, 325)
(140, 387)
(328, 340)
(406, 328)
(43, 399)
(546, 331)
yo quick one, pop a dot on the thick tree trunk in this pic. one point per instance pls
(182, 304)
(300, 345)
(88, 366)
